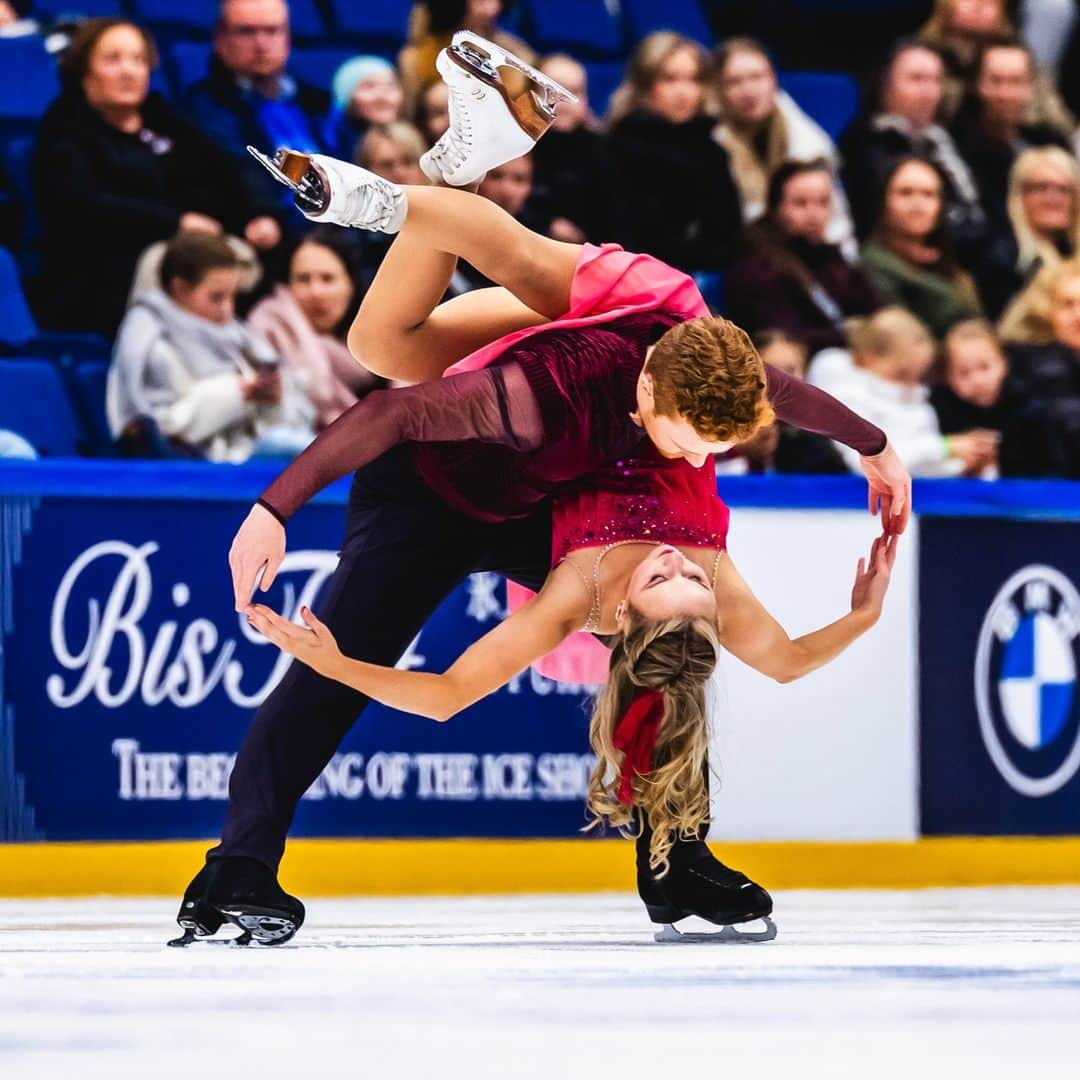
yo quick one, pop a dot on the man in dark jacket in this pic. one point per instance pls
(247, 96)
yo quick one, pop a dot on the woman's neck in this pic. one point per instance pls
(912, 249)
(125, 118)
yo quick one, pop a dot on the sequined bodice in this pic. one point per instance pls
(647, 497)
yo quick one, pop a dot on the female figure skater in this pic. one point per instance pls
(486, 450)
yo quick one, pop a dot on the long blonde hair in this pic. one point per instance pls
(675, 657)
(1028, 319)
(1034, 248)
(643, 69)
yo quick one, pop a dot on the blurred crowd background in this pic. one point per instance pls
(884, 193)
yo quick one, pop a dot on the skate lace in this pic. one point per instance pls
(373, 203)
(454, 147)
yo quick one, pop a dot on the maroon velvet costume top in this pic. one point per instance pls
(549, 411)
(672, 502)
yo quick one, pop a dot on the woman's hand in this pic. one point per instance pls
(264, 387)
(258, 545)
(193, 221)
(314, 646)
(872, 576)
(263, 233)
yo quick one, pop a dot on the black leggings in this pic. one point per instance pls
(404, 551)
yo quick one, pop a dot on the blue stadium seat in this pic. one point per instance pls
(47, 10)
(306, 20)
(34, 404)
(88, 382)
(17, 325)
(317, 66)
(582, 27)
(604, 78)
(831, 98)
(685, 16)
(17, 154)
(188, 61)
(191, 15)
(386, 21)
(29, 81)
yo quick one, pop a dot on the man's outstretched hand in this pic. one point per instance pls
(890, 489)
(259, 545)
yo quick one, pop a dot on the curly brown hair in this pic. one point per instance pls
(707, 371)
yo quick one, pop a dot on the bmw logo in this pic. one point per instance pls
(1025, 681)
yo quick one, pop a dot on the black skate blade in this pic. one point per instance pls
(264, 926)
(726, 935)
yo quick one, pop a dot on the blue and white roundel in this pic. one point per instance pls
(1025, 681)
(1037, 681)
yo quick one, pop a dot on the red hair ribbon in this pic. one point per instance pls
(635, 735)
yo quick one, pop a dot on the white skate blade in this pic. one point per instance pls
(483, 55)
(726, 935)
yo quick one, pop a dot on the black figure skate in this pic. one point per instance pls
(697, 883)
(243, 892)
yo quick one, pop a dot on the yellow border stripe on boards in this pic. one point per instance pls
(393, 867)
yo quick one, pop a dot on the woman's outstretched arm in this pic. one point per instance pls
(402, 331)
(530, 633)
(750, 633)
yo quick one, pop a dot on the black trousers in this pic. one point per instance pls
(404, 551)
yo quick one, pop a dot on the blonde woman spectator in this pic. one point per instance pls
(1044, 214)
(432, 25)
(761, 127)
(882, 377)
(305, 321)
(675, 182)
(909, 257)
(960, 30)
(184, 363)
(1048, 361)
(393, 151)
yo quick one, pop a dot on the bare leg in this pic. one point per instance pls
(403, 332)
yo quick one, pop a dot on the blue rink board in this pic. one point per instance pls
(127, 682)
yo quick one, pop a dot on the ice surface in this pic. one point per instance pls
(975, 983)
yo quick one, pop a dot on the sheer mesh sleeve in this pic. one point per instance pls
(494, 405)
(804, 406)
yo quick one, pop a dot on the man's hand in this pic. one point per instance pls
(259, 545)
(890, 489)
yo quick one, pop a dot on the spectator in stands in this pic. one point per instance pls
(393, 152)
(115, 169)
(781, 448)
(432, 112)
(572, 178)
(901, 118)
(882, 378)
(960, 30)
(432, 25)
(366, 92)
(248, 98)
(761, 127)
(980, 394)
(991, 130)
(788, 277)
(305, 323)
(184, 365)
(675, 180)
(909, 256)
(1044, 214)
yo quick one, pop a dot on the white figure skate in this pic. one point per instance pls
(329, 190)
(499, 107)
